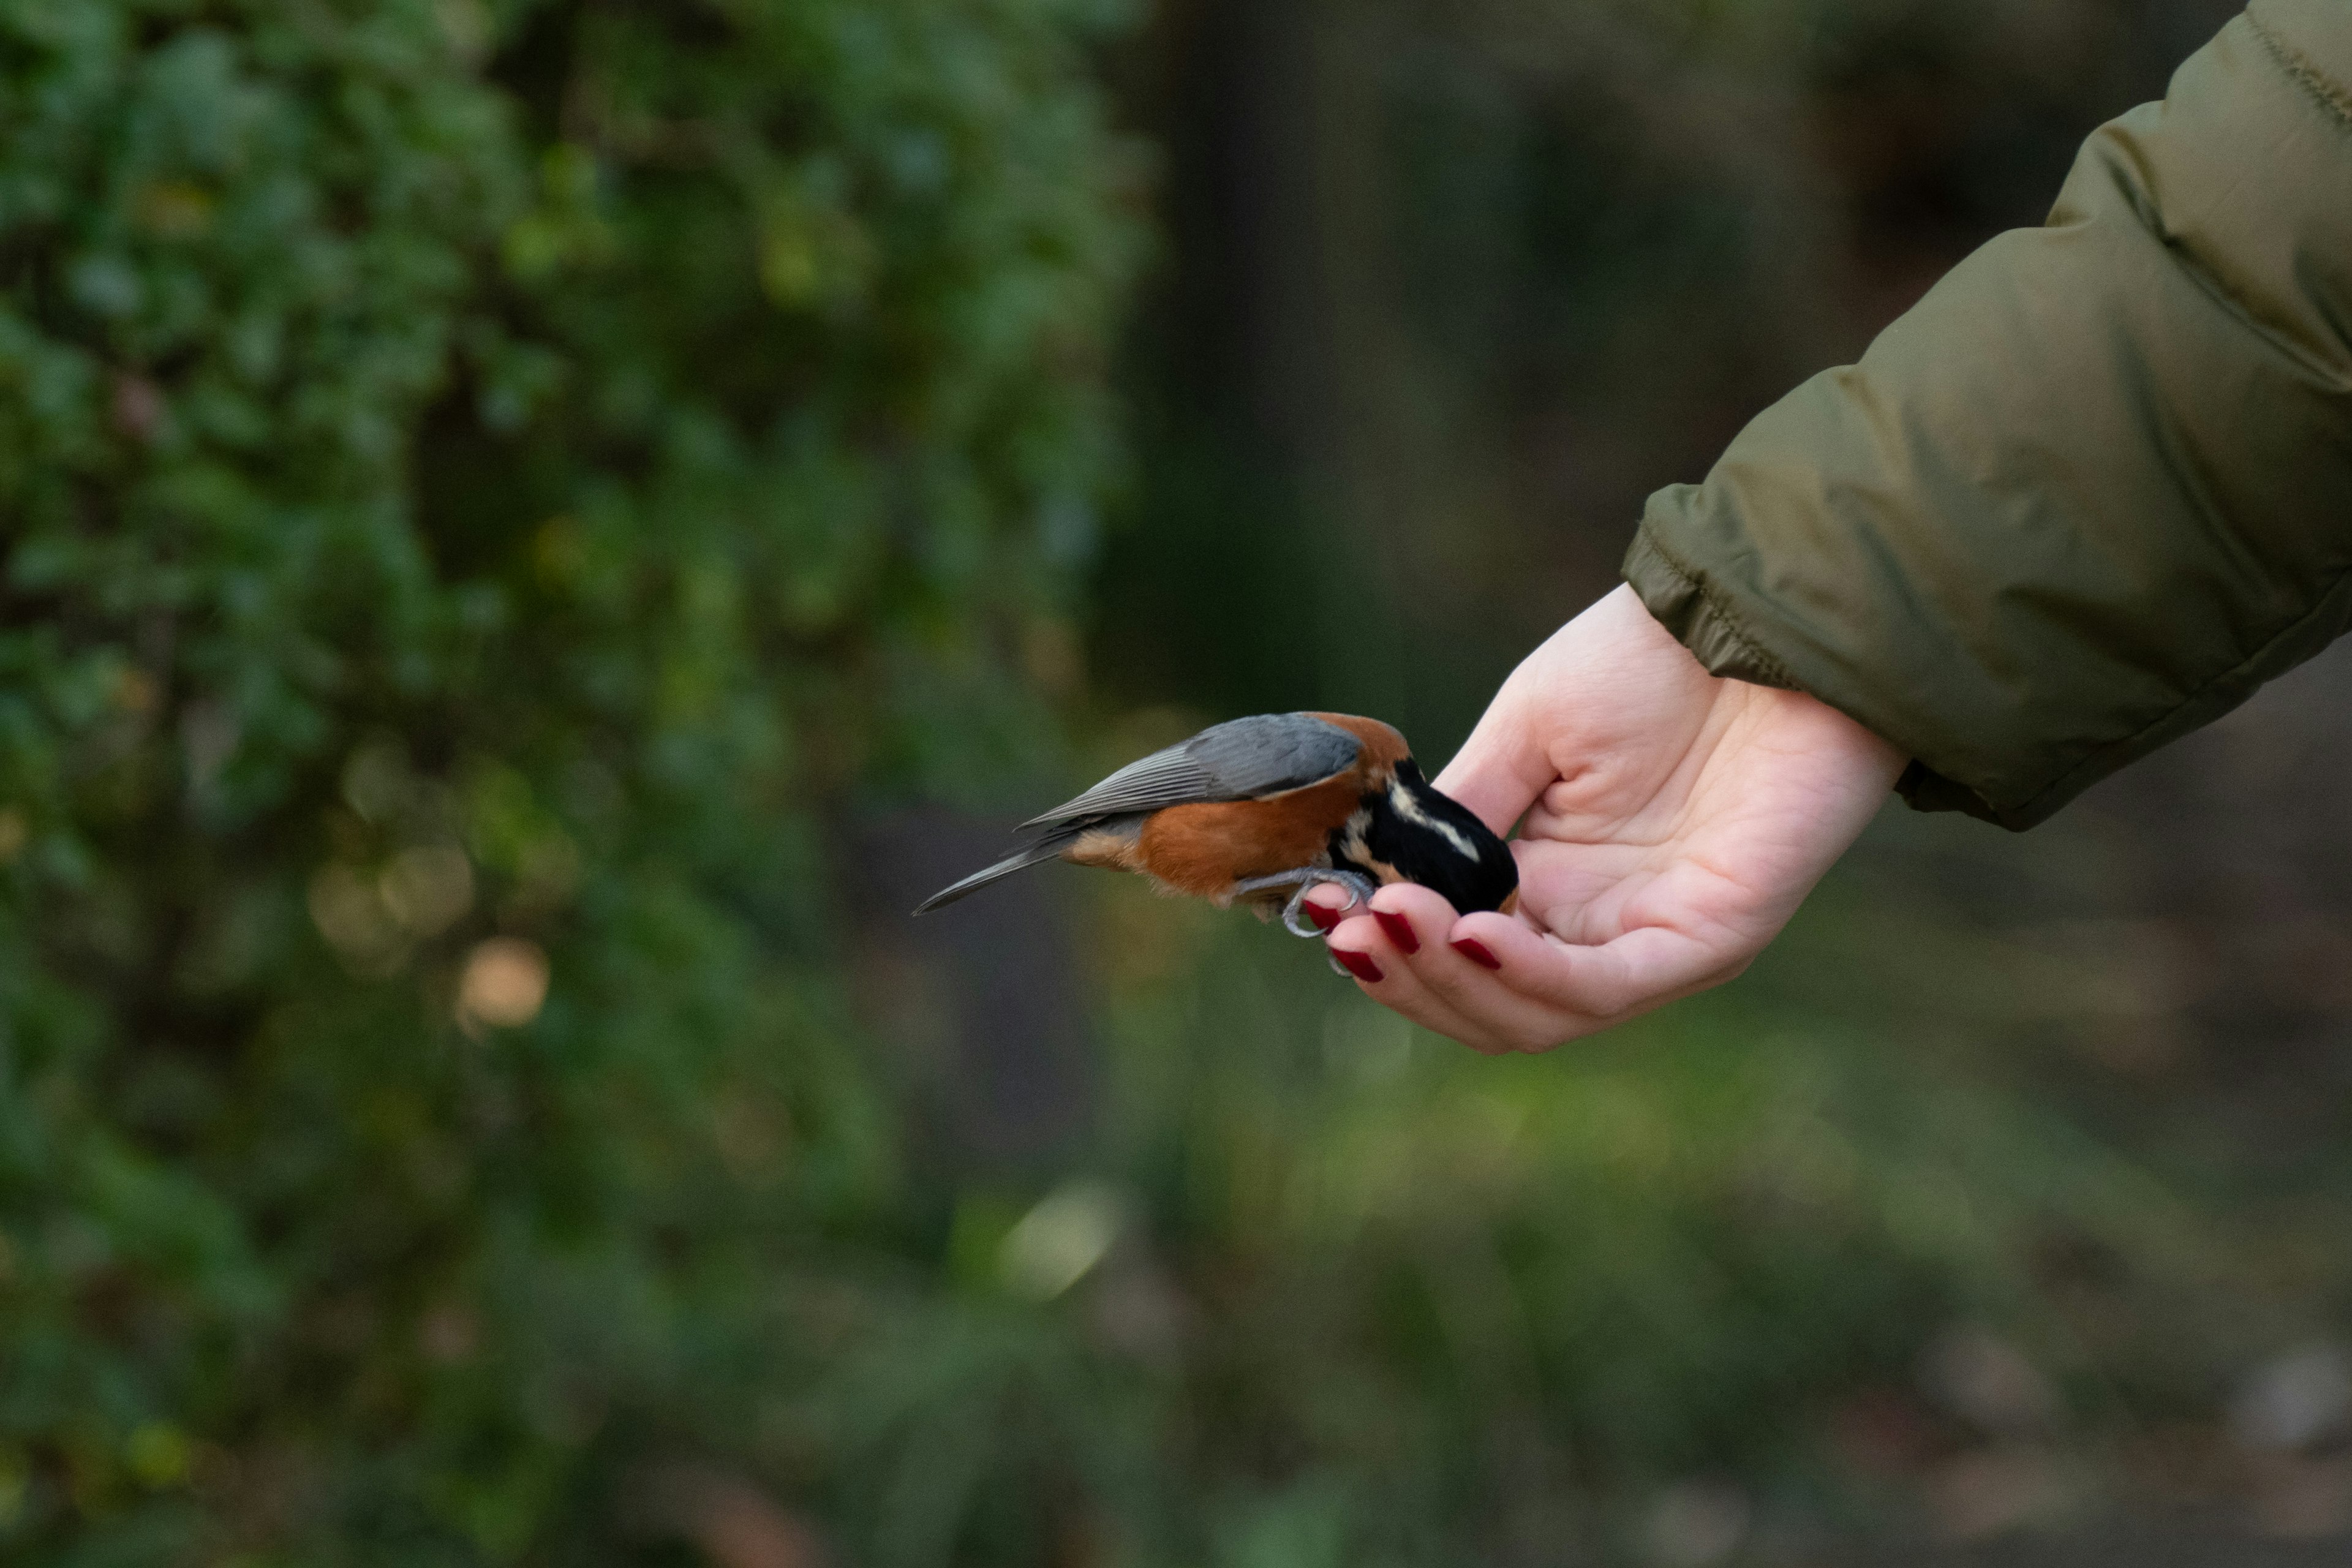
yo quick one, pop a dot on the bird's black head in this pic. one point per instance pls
(1409, 832)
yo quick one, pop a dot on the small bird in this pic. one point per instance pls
(1254, 809)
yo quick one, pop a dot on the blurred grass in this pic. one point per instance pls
(1392, 1301)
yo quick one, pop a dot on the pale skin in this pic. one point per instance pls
(1670, 823)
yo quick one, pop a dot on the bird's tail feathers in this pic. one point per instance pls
(1021, 860)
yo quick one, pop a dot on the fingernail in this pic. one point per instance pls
(1360, 965)
(1400, 930)
(1324, 919)
(1471, 948)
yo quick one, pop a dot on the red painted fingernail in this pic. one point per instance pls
(1324, 919)
(1400, 930)
(1471, 948)
(1360, 965)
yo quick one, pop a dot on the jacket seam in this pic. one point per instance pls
(2336, 103)
(1766, 664)
(2331, 96)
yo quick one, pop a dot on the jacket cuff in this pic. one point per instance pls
(1701, 620)
(1706, 622)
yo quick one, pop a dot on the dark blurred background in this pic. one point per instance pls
(535, 531)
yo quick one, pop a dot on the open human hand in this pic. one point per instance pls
(1673, 822)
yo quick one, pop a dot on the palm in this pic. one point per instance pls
(1702, 842)
(1672, 824)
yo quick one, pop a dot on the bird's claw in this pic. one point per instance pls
(1295, 918)
(1359, 891)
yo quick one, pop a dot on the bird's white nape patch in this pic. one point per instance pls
(1402, 801)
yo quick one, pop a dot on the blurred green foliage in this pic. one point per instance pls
(482, 484)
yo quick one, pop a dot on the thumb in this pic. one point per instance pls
(1502, 767)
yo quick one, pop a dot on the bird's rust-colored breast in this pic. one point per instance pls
(1203, 850)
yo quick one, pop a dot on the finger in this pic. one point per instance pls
(1385, 933)
(1388, 934)
(1644, 968)
(1441, 980)
(1503, 767)
(1386, 973)
(1328, 903)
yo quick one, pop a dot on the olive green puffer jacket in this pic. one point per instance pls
(2096, 487)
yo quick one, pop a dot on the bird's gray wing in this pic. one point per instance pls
(1239, 760)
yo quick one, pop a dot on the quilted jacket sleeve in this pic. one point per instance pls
(2096, 487)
